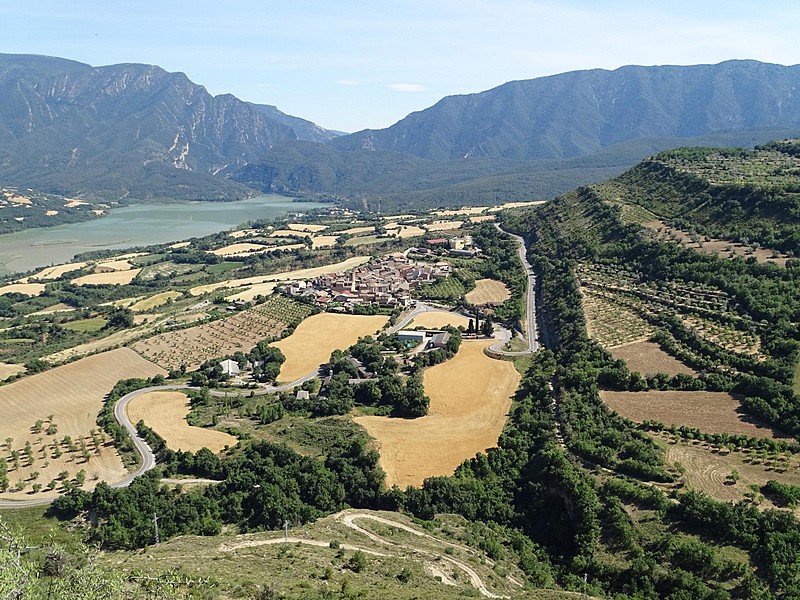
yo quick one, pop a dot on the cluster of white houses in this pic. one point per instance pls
(385, 282)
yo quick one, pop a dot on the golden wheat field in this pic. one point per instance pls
(113, 278)
(470, 398)
(72, 395)
(323, 241)
(310, 227)
(8, 369)
(58, 271)
(488, 291)
(29, 289)
(153, 301)
(240, 248)
(712, 412)
(316, 337)
(440, 319)
(443, 225)
(166, 413)
(408, 231)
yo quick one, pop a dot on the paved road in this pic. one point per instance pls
(530, 309)
(148, 458)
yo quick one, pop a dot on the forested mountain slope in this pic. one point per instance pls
(582, 112)
(735, 194)
(128, 130)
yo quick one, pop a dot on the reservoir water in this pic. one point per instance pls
(137, 225)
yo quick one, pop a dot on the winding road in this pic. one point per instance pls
(149, 459)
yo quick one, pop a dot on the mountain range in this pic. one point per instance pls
(138, 131)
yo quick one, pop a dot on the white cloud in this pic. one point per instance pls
(348, 82)
(406, 87)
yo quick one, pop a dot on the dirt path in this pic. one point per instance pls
(348, 519)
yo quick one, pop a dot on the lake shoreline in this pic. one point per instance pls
(138, 224)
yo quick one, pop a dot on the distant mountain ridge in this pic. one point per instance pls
(137, 131)
(129, 129)
(582, 112)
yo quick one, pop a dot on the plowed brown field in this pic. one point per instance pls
(648, 359)
(470, 398)
(712, 412)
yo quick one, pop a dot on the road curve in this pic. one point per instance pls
(530, 306)
(148, 458)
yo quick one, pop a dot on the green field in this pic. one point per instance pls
(223, 267)
(86, 325)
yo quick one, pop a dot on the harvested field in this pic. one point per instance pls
(73, 395)
(57, 271)
(315, 338)
(290, 233)
(443, 225)
(113, 265)
(56, 308)
(115, 339)
(183, 244)
(357, 230)
(249, 294)
(116, 278)
(467, 210)
(712, 412)
(344, 265)
(306, 227)
(440, 319)
(240, 233)
(8, 369)
(707, 471)
(648, 359)
(29, 289)
(462, 421)
(166, 413)
(488, 291)
(482, 218)
(323, 241)
(154, 301)
(408, 231)
(240, 248)
(516, 205)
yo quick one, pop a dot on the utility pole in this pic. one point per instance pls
(155, 527)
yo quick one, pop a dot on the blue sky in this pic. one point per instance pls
(352, 64)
